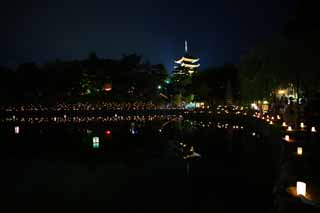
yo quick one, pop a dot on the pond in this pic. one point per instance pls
(136, 166)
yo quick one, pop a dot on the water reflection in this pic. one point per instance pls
(141, 162)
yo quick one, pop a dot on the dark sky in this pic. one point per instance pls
(218, 31)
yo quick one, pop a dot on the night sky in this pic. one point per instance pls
(218, 31)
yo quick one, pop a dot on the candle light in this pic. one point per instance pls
(302, 125)
(284, 124)
(313, 129)
(289, 128)
(301, 188)
(278, 117)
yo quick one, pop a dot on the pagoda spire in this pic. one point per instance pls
(186, 46)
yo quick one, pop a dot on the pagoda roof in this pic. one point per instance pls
(187, 59)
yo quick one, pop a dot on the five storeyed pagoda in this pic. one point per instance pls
(186, 65)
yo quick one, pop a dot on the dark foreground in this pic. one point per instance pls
(51, 168)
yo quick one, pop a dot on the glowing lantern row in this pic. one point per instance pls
(301, 188)
(299, 150)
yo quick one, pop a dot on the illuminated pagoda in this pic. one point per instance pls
(185, 66)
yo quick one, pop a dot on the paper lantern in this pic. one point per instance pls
(299, 150)
(287, 138)
(289, 128)
(107, 132)
(95, 139)
(107, 87)
(284, 124)
(313, 129)
(301, 188)
(302, 125)
(16, 129)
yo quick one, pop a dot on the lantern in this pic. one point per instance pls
(107, 87)
(16, 129)
(289, 128)
(284, 124)
(299, 150)
(95, 142)
(302, 125)
(287, 138)
(95, 139)
(313, 129)
(301, 188)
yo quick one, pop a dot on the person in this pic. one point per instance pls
(291, 114)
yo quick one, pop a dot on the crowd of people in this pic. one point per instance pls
(293, 112)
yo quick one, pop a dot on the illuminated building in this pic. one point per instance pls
(186, 65)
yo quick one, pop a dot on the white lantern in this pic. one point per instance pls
(313, 129)
(299, 150)
(301, 188)
(95, 139)
(284, 124)
(289, 128)
(302, 125)
(287, 138)
(16, 129)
